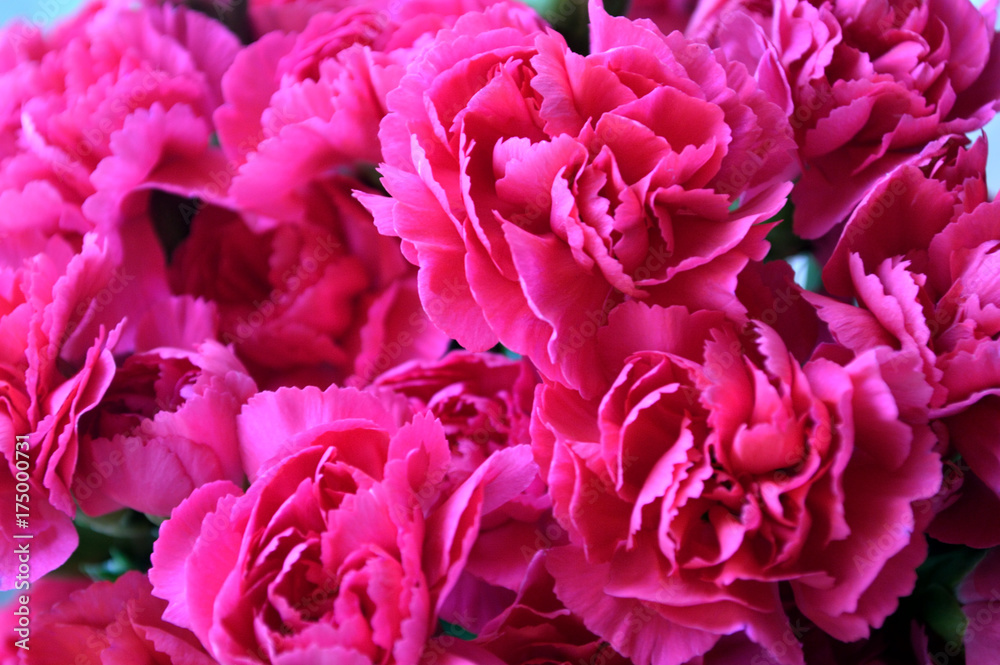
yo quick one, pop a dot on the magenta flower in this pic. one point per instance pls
(119, 622)
(166, 425)
(483, 402)
(919, 255)
(300, 106)
(979, 594)
(669, 15)
(56, 364)
(119, 98)
(714, 468)
(537, 188)
(344, 545)
(306, 301)
(872, 84)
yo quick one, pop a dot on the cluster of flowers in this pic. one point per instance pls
(231, 273)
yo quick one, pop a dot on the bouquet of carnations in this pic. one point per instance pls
(468, 332)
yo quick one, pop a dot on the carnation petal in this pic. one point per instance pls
(657, 641)
(173, 547)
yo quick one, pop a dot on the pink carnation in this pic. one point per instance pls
(872, 84)
(343, 547)
(16, 623)
(534, 629)
(283, 15)
(299, 106)
(55, 365)
(919, 256)
(118, 99)
(166, 426)
(669, 15)
(715, 468)
(389, 21)
(537, 188)
(311, 301)
(115, 101)
(119, 622)
(483, 402)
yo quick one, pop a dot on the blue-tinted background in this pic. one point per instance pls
(37, 11)
(45, 12)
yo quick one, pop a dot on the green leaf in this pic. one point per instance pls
(784, 242)
(455, 630)
(125, 536)
(937, 577)
(568, 18)
(617, 7)
(110, 569)
(504, 351)
(126, 524)
(950, 567)
(942, 612)
(808, 272)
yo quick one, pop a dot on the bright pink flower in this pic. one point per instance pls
(407, 19)
(42, 595)
(714, 468)
(314, 301)
(710, 19)
(872, 84)
(302, 106)
(55, 365)
(343, 547)
(919, 256)
(53, 536)
(119, 622)
(285, 15)
(178, 322)
(536, 628)
(669, 15)
(166, 425)
(483, 401)
(537, 188)
(729, 651)
(738, 649)
(118, 99)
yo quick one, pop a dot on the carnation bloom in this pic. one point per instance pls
(302, 105)
(410, 18)
(112, 622)
(307, 291)
(343, 547)
(483, 402)
(55, 364)
(114, 101)
(919, 256)
(315, 300)
(119, 98)
(42, 596)
(536, 188)
(872, 83)
(534, 629)
(669, 15)
(166, 426)
(712, 469)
